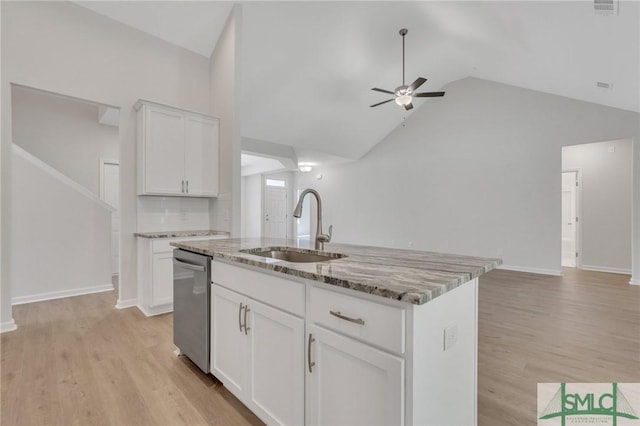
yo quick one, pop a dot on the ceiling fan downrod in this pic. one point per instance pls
(403, 32)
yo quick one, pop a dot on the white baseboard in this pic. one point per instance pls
(606, 269)
(554, 272)
(634, 281)
(8, 326)
(157, 310)
(60, 294)
(128, 303)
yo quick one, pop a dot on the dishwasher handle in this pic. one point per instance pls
(182, 264)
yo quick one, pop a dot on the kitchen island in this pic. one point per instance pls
(371, 336)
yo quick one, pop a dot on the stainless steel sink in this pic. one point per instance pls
(291, 254)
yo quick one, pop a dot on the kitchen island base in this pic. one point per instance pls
(297, 351)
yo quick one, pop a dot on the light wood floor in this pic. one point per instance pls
(583, 327)
(79, 361)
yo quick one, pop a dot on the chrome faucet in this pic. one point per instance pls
(297, 212)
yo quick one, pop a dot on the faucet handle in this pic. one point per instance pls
(326, 238)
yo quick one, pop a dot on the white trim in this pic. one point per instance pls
(8, 326)
(157, 310)
(606, 269)
(103, 162)
(35, 161)
(634, 281)
(129, 303)
(61, 294)
(578, 172)
(554, 272)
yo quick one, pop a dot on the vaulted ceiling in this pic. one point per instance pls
(308, 67)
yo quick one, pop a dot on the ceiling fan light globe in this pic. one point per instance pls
(403, 100)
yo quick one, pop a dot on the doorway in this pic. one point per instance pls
(570, 219)
(598, 187)
(110, 193)
(275, 208)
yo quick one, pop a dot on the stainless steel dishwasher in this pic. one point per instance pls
(191, 306)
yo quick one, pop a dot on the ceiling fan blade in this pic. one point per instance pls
(419, 82)
(380, 103)
(428, 94)
(408, 106)
(383, 91)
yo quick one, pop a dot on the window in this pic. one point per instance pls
(276, 182)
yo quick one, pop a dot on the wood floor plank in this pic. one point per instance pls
(78, 361)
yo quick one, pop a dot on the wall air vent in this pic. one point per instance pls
(606, 7)
(605, 86)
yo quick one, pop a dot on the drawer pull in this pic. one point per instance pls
(339, 315)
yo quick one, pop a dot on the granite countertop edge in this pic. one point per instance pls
(409, 276)
(178, 234)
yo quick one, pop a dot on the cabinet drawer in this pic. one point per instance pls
(278, 292)
(371, 322)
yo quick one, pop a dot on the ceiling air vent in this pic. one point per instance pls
(606, 7)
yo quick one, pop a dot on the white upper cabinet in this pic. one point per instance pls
(177, 152)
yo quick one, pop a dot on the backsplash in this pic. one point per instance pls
(157, 214)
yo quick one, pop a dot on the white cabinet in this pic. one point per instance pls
(258, 353)
(177, 152)
(302, 352)
(162, 277)
(228, 341)
(155, 273)
(350, 383)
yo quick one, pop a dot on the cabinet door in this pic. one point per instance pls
(162, 281)
(276, 354)
(352, 383)
(164, 151)
(228, 342)
(201, 156)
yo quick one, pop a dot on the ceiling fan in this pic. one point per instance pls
(404, 94)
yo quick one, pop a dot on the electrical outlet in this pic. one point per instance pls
(450, 337)
(410, 244)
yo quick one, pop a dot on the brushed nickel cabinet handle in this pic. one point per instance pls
(311, 364)
(187, 186)
(240, 317)
(346, 318)
(246, 329)
(183, 186)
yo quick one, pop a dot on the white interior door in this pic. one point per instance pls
(110, 193)
(569, 219)
(275, 212)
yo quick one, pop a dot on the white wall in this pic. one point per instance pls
(476, 172)
(606, 199)
(64, 48)
(63, 133)
(61, 237)
(226, 212)
(252, 206)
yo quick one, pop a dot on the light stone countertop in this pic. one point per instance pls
(174, 234)
(407, 275)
